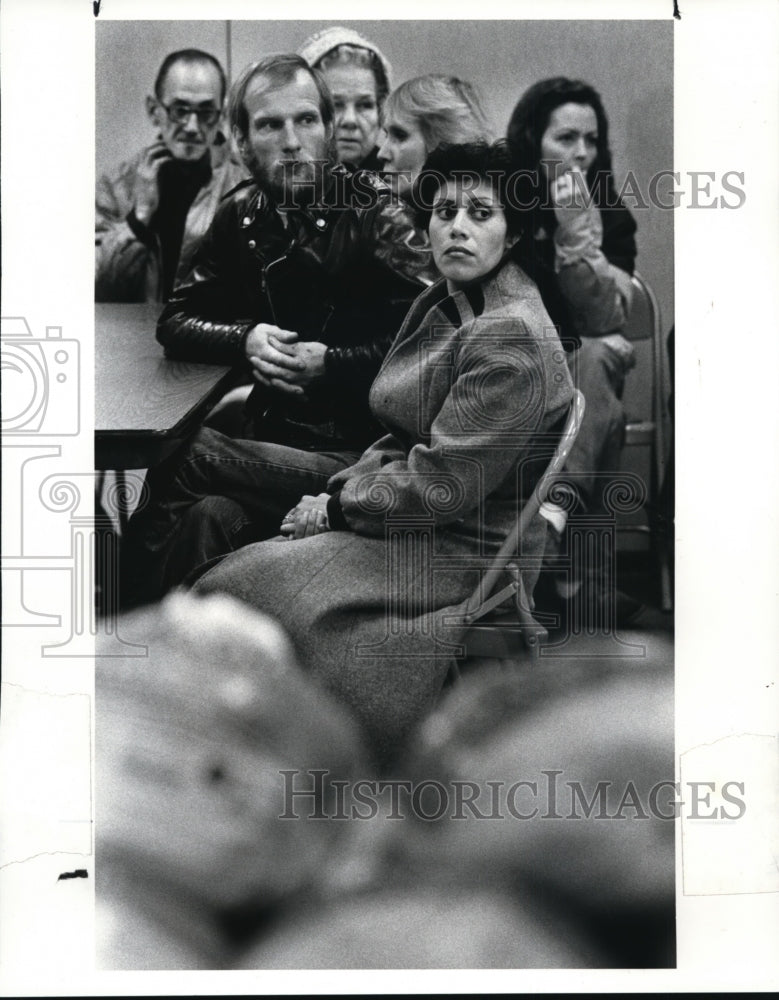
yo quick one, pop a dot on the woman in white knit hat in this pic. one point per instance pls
(358, 75)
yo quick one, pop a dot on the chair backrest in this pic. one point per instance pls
(508, 550)
(644, 381)
(644, 312)
(643, 397)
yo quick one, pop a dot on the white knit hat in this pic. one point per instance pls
(318, 45)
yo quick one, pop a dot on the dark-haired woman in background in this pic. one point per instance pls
(581, 255)
(472, 385)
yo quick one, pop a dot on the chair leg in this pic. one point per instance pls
(664, 559)
(666, 502)
(662, 536)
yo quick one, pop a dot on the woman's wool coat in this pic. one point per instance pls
(473, 394)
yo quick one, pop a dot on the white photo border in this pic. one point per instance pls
(727, 427)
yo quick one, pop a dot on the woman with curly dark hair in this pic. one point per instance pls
(472, 389)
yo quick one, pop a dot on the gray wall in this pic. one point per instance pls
(629, 62)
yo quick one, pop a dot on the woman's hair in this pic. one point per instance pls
(530, 119)
(476, 161)
(445, 109)
(345, 55)
(338, 46)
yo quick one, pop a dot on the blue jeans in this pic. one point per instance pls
(220, 494)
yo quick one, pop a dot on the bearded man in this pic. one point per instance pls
(303, 278)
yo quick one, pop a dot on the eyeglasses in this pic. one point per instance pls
(179, 113)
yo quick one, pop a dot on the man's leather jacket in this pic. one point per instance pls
(343, 273)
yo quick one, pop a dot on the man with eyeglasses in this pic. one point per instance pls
(152, 213)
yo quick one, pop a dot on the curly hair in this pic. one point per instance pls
(478, 161)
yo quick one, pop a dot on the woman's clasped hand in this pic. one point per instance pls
(307, 517)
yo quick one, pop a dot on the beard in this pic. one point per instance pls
(293, 183)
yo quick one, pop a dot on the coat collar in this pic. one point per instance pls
(495, 293)
(333, 194)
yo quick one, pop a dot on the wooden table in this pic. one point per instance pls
(145, 405)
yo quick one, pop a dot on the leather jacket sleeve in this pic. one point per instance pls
(359, 363)
(391, 240)
(193, 325)
(363, 278)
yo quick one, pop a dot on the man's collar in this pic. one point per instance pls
(314, 217)
(335, 176)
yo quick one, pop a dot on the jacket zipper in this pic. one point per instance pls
(265, 291)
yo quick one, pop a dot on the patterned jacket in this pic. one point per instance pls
(474, 386)
(128, 259)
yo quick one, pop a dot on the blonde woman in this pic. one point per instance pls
(423, 113)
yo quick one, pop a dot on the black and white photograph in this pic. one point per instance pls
(357, 614)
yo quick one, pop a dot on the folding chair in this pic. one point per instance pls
(643, 402)
(495, 629)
